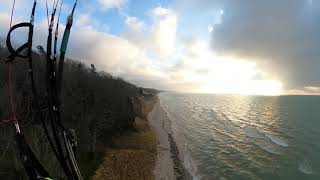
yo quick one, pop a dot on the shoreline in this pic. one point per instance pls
(168, 164)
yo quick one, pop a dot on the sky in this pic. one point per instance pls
(202, 46)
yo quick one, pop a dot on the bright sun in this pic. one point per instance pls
(231, 76)
(208, 72)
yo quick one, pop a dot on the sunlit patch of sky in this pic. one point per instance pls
(183, 46)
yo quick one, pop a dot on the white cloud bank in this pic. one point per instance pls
(109, 4)
(147, 55)
(164, 31)
(119, 55)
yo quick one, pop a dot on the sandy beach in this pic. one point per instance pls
(168, 164)
(164, 164)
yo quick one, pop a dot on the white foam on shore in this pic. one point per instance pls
(189, 165)
(180, 140)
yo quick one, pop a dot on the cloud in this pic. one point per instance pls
(134, 23)
(188, 69)
(310, 90)
(6, 5)
(5, 21)
(164, 31)
(210, 28)
(109, 4)
(281, 36)
(83, 20)
(248, 43)
(116, 55)
(119, 55)
(87, 20)
(159, 37)
(161, 12)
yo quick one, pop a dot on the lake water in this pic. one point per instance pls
(247, 137)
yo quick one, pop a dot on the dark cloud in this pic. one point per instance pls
(284, 35)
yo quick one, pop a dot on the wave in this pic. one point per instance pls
(260, 130)
(306, 168)
(261, 140)
(277, 140)
(232, 137)
(179, 139)
(189, 164)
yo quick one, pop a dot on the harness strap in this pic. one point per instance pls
(17, 53)
(33, 167)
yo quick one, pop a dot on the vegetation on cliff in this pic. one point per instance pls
(96, 104)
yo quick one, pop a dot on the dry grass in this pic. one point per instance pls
(132, 158)
(89, 165)
(126, 164)
(42, 149)
(137, 141)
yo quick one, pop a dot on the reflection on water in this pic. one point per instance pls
(248, 137)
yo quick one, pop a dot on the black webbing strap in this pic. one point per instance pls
(27, 47)
(17, 52)
(33, 167)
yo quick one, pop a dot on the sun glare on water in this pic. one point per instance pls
(255, 87)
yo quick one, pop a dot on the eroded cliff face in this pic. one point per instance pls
(142, 105)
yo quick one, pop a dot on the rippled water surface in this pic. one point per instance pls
(248, 137)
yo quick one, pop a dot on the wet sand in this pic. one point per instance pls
(168, 164)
